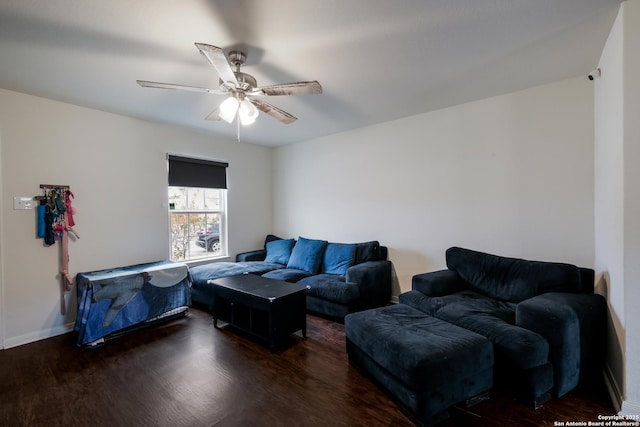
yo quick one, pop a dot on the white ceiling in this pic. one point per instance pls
(377, 60)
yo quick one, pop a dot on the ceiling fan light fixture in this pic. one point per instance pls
(228, 109)
(248, 112)
(236, 86)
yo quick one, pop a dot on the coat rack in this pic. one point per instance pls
(55, 221)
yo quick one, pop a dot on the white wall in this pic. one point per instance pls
(617, 201)
(631, 12)
(511, 175)
(116, 167)
(609, 199)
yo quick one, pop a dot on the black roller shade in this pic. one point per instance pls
(187, 172)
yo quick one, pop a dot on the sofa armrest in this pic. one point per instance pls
(374, 281)
(257, 255)
(438, 283)
(574, 326)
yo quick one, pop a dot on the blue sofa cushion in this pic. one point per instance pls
(338, 257)
(495, 320)
(511, 279)
(331, 287)
(202, 292)
(292, 275)
(270, 238)
(279, 251)
(307, 255)
(215, 270)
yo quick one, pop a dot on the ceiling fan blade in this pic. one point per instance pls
(297, 88)
(215, 115)
(158, 85)
(217, 58)
(273, 111)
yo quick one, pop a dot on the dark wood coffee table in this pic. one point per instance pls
(268, 309)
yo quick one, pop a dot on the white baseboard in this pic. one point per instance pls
(622, 407)
(37, 336)
(613, 389)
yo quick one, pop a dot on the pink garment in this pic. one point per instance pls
(64, 268)
(70, 211)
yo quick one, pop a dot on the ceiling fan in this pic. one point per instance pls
(241, 88)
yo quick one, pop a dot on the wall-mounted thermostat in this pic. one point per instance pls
(20, 203)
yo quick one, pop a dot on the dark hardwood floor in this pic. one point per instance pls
(186, 373)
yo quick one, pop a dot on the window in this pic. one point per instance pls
(197, 208)
(196, 218)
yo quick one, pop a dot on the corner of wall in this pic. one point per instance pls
(1, 256)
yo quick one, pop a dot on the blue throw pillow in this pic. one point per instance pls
(279, 251)
(307, 255)
(338, 257)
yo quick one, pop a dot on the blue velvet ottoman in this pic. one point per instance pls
(424, 363)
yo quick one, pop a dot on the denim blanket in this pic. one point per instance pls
(111, 301)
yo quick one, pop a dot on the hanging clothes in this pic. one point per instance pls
(58, 223)
(49, 234)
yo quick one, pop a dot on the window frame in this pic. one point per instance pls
(189, 174)
(221, 212)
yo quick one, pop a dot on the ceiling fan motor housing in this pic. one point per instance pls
(246, 82)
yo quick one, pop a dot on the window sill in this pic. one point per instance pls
(202, 261)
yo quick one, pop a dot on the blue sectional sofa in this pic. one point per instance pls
(543, 325)
(546, 324)
(340, 278)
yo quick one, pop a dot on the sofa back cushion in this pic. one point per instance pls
(368, 251)
(279, 251)
(270, 238)
(511, 279)
(307, 255)
(587, 280)
(338, 257)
